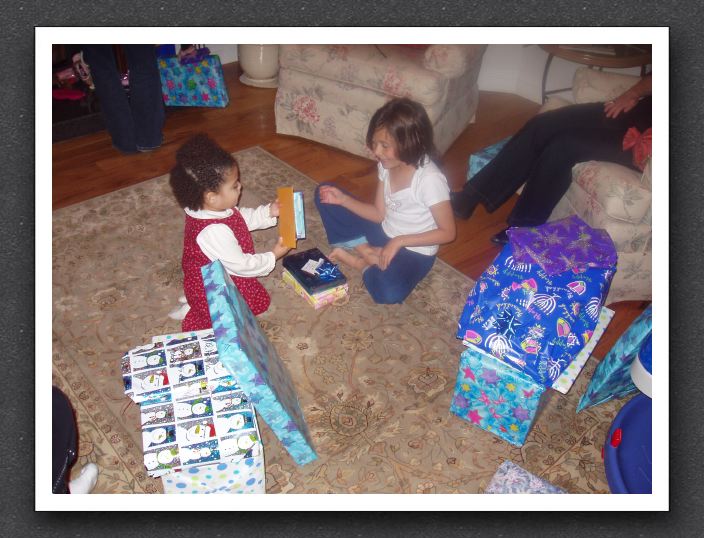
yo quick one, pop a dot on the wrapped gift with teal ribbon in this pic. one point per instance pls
(199, 83)
(495, 396)
(249, 356)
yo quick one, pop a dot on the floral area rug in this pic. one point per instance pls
(374, 381)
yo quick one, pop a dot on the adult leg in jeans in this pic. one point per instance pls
(146, 101)
(551, 174)
(499, 179)
(135, 123)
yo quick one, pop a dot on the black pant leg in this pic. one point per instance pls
(64, 442)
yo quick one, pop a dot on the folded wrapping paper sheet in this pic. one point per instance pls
(612, 378)
(512, 478)
(249, 356)
(535, 322)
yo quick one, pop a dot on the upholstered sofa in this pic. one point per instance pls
(612, 196)
(328, 93)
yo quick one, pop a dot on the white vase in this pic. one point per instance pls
(260, 65)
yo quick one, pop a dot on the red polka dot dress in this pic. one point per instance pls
(254, 293)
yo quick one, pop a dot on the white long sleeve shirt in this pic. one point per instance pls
(218, 242)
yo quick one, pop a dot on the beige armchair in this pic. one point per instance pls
(328, 93)
(613, 197)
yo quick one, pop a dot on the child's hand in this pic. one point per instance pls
(274, 208)
(280, 249)
(332, 195)
(389, 252)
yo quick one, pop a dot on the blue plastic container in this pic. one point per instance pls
(629, 447)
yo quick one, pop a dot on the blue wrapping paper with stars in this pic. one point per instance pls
(534, 321)
(248, 354)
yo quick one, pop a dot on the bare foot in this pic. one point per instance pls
(340, 255)
(369, 253)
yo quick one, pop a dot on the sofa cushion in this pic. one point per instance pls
(388, 69)
(591, 86)
(618, 190)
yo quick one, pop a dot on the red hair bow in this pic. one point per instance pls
(640, 143)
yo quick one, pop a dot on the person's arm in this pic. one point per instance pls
(374, 212)
(261, 217)
(628, 99)
(444, 233)
(218, 242)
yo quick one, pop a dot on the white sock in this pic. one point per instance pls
(180, 312)
(182, 299)
(85, 481)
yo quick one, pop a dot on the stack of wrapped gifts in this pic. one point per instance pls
(314, 277)
(530, 323)
(196, 420)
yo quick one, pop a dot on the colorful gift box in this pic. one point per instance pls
(512, 478)
(314, 271)
(244, 476)
(193, 84)
(495, 396)
(198, 418)
(317, 300)
(479, 160)
(248, 354)
(533, 321)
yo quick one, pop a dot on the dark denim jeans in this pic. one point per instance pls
(134, 123)
(541, 156)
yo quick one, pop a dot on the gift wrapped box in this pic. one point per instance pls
(479, 160)
(512, 478)
(495, 396)
(248, 354)
(317, 300)
(533, 321)
(244, 476)
(314, 271)
(193, 413)
(193, 84)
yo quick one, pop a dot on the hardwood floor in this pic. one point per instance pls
(89, 166)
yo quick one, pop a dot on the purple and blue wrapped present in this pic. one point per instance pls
(193, 84)
(495, 396)
(247, 354)
(535, 321)
(480, 159)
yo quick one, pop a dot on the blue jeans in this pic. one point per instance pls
(406, 270)
(134, 124)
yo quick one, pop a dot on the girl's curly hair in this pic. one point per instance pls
(200, 167)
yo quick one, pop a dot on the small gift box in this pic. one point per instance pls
(317, 300)
(243, 476)
(199, 83)
(479, 160)
(495, 396)
(314, 271)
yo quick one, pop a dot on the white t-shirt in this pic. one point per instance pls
(408, 210)
(218, 242)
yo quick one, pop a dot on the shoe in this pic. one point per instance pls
(85, 481)
(500, 238)
(462, 204)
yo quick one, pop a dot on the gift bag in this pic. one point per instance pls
(185, 82)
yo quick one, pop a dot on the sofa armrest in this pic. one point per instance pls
(591, 86)
(619, 190)
(453, 60)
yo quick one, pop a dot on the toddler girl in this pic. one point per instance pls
(206, 184)
(393, 240)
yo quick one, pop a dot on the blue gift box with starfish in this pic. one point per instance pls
(249, 356)
(495, 396)
(200, 83)
(481, 158)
